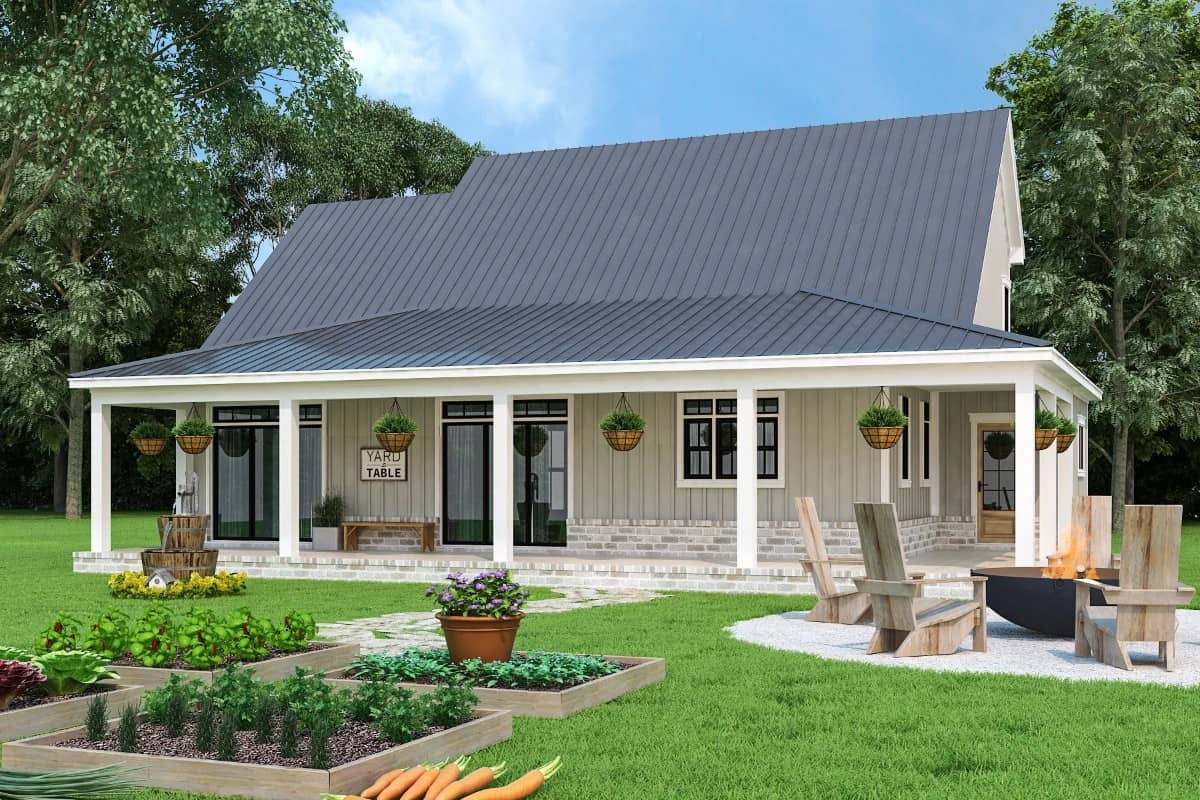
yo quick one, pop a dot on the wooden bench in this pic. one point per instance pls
(352, 527)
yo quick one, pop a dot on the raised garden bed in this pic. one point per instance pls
(262, 780)
(33, 714)
(321, 656)
(548, 702)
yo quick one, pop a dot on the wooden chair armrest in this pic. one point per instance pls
(964, 579)
(888, 588)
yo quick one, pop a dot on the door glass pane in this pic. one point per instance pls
(467, 518)
(999, 474)
(310, 477)
(266, 483)
(232, 467)
(540, 483)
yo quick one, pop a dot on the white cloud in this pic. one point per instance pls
(504, 65)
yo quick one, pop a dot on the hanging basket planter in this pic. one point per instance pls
(1066, 433)
(532, 443)
(150, 437)
(882, 424)
(1046, 428)
(999, 445)
(1064, 441)
(623, 427)
(395, 430)
(194, 434)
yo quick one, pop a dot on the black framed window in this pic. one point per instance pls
(1007, 307)
(905, 452)
(926, 442)
(539, 408)
(710, 438)
(470, 409)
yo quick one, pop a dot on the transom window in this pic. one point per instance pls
(267, 414)
(482, 409)
(709, 438)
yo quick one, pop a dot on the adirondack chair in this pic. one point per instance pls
(905, 621)
(1091, 519)
(1142, 607)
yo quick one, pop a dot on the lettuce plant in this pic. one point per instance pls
(14, 654)
(15, 678)
(72, 671)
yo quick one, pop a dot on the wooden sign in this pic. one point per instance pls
(377, 464)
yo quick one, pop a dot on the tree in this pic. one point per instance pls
(106, 112)
(1105, 114)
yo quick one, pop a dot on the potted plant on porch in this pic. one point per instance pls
(1066, 433)
(193, 435)
(882, 426)
(327, 522)
(150, 437)
(623, 427)
(395, 430)
(479, 615)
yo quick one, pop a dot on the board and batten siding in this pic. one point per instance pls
(348, 429)
(824, 457)
(912, 501)
(957, 473)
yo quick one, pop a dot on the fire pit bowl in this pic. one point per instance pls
(1047, 605)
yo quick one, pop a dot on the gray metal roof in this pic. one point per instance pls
(892, 212)
(795, 323)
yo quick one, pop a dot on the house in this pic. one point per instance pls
(776, 280)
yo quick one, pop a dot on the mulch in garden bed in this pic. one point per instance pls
(178, 662)
(35, 698)
(352, 741)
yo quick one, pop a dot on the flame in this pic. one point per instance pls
(1075, 561)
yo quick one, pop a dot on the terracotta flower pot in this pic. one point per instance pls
(150, 447)
(884, 438)
(485, 638)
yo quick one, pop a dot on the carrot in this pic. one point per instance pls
(418, 789)
(446, 777)
(381, 783)
(522, 787)
(399, 786)
(471, 783)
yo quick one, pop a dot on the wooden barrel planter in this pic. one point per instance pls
(151, 447)
(622, 441)
(183, 531)
(395, 442)
(181, 563)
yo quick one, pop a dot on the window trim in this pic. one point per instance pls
(925, 470)
(728, 483)
(1081, 442)
(1006, 299)
(905, 475)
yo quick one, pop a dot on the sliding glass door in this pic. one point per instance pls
(540, 483)
(467, 483)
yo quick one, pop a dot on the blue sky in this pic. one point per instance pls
(533, 74)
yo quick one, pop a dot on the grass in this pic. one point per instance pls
(734, 720)
(35, 573)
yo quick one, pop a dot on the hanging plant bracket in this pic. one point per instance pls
(623, 427)
(395, 430)
(882, 425)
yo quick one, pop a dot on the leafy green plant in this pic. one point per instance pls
(61, 634)
(202, 639)
(289, 734)
(402, 721)
(1066, 427)
(264, 719)
(227, 737)
(250, 636)
(17, 677)
(152, 643)
(369, 698)
(95, 722)
(149, 429)
(127, 730)
(205, 735)
(307, 695)
(1044, 419)
(235, 693)
(15, 654)
(535, 670)
(489, 594)
(878, 416)
(295, 632)
(156, 702)
(193, 426)
(447, 706)
(328, 511)
(622, 420)
(72, 671)
(393, 422)
(109, 635)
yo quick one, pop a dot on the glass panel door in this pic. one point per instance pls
(232, 469)
(996, 484)
(467, 483)
(246, 474)
(540, 483)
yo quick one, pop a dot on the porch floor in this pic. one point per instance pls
(554, 569)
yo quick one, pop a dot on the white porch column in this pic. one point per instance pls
(502, 478)
(289, 477)
(182, 459)
(747, 477)
(101, 465)
(1026, 459)
(1048, 492)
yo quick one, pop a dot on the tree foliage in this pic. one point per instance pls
(1106, 109)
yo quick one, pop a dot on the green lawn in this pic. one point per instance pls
(738, 721)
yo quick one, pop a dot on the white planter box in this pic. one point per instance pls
(326, 538)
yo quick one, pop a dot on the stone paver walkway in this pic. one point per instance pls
(394, 632)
